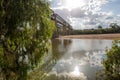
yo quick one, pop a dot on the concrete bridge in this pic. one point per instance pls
(62, 27)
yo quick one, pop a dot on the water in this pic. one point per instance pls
(76, 59)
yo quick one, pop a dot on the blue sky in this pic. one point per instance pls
(87, 14)
(113, 6)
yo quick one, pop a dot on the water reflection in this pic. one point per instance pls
(75, 59)
(76, 71)
(78, 56)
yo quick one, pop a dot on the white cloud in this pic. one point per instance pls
(88, 15)
(64, 13)
(118, 15)
(49, 0)
(77, 13)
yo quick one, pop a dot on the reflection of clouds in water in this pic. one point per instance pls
(86, 54)
(84, 61)
(70, 75)
(89, 44)
(66, 65)
(96, 58)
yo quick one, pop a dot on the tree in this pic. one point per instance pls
(112, 63)
(100, 29)
(115, 27)
(25, 30)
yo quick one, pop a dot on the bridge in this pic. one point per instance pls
(62, 27)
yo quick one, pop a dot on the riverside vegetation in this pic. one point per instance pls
(113, 28)
(111, 63)
(25, 31)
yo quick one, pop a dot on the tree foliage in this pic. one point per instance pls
(25, 30)
(113, 28)
(112, 63)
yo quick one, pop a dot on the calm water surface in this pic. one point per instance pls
(76, 59)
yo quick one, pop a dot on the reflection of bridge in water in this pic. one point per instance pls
(62, 27)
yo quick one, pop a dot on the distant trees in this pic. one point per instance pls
(100, 29)
(25, 30)
(113, 28)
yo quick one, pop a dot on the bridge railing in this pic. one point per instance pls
(62, 26)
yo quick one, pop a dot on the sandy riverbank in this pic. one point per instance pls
(94, 36)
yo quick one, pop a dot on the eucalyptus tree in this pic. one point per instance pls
(25, 30)
(100, 29)
(115, 27)
(112, 63)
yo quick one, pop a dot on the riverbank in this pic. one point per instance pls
(93, 36)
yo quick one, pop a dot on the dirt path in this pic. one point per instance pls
(94, 36)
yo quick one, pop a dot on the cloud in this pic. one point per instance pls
(77, 13)
(64, 13)
(118, 15)
(50, 0)
(91, 20)
(96, 19)
(88, 15)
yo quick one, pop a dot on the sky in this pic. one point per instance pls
(87, 14)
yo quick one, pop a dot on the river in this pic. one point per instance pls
(76, 59)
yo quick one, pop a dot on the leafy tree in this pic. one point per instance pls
(99, 27)
(25, 30)
(111, 64)
(115, 27)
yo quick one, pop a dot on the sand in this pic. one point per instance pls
(93, 36)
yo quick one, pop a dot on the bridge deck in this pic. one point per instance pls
(63, 27)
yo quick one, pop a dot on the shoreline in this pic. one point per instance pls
(93, 36)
